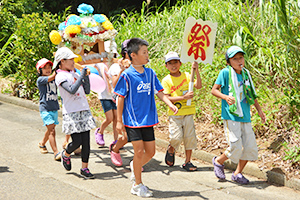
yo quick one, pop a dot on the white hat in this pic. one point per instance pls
(171, 56)
(63, 53)
(111, 47)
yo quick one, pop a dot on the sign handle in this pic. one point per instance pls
(191, 85)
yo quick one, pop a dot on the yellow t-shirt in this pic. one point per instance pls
(178, 86)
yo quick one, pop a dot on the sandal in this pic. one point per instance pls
(57, 157)
(170, 158)
(43, 149)
(189, 167)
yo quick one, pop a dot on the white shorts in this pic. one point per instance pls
(182, 129)
(241, 140)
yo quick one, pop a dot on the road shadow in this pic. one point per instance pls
(173, 194)
(4, 169)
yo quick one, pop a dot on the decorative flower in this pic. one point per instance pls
(99, 18)
(55, 37)
(62, 26)
(78, 59)
(107, 25)
(74, 20)
(72, 29)
(104, 16)
(85, 9)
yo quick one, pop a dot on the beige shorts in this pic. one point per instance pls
(182, 129)
(241, 140)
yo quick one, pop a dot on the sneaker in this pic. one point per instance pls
(86, 174)
(218, 169)
(141, 190)
(239, 178)
(43, 149)
(57, 157)
(116, 159)
(66, 161)
(99, 138)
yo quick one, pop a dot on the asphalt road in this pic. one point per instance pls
(25, 173)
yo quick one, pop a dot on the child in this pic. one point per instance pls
(115, 71)
(237, 94)
(181, 125)
(109, 107)
(48, 104)
(77, 117)
(136, 104)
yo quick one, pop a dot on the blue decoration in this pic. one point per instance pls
(92, 69)
(74, 20)
(62, 26)
(85, 9)
(99, 18)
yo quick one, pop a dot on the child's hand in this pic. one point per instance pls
(124, 63)
(174, 109)
(262, 116)
(195, 65)
(188, 95)
(120, 127)
(230, 100)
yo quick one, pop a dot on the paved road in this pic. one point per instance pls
(27, 174)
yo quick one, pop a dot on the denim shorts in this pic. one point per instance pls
(108, 105)
(49, 117)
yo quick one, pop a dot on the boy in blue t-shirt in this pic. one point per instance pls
(237, 94)
(136, 108)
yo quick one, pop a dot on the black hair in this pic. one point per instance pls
(134, 45)
(40, 72)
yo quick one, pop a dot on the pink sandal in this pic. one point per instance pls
(99, 138)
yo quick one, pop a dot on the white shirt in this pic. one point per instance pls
(71, 102)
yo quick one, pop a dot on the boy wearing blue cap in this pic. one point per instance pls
(237, 94)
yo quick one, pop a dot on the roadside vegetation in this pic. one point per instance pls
(268, 31)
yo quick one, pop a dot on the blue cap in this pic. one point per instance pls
(232, 51)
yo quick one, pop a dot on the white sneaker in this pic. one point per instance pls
(141, 190)
(132, 177)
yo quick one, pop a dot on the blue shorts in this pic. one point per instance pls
(108, 105)
(49, 117)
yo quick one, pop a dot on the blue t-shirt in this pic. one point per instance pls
(48, 94)
(138, 91)
(223, 80)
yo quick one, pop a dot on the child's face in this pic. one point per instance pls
(67, 64)
(173, 66)
(142, 57)
(47, 70)
(237, 62)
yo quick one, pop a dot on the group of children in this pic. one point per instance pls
(133, 82)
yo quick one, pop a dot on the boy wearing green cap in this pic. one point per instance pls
(237, 94)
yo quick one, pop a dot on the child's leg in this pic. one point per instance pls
(115, 124)
(72, 146)
(45, 138)
(120, 143)
(106, 122)
(240, 167)
(85, 151)
(138, 147)
(66, 141)
(221, 159)
(52, 141)
(149, 152)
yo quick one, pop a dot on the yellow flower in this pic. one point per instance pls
(55, 37)
(104, 16)
(73, 29)
(78, 59)
(107, 25)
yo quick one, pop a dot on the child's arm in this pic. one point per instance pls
(216, 92)
(188, 95)
(72, 89)
(120, 107)
(52, 76)
(165, 99)
(86, 84)
(260, 112)
(198, 84)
